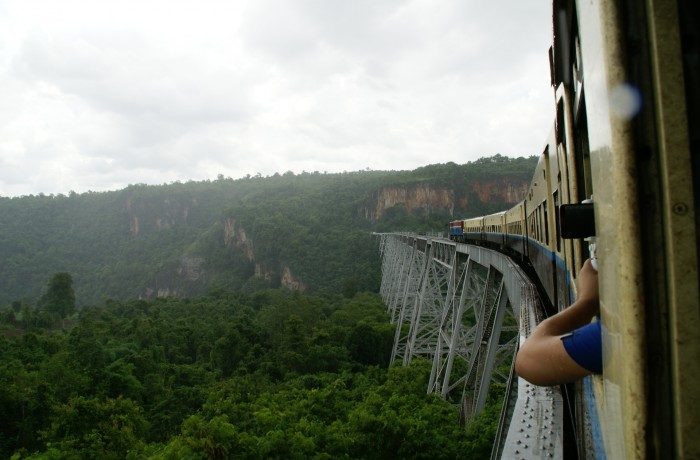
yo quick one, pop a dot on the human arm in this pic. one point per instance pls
(542, 358)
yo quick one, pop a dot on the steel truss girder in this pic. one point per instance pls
(427, 291)
(449, 302)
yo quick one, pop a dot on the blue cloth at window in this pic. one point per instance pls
(585, 346)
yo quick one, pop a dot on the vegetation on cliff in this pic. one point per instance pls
(310, 230)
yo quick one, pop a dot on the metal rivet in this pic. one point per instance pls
(680, 208)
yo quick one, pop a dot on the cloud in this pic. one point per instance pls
(102, 94)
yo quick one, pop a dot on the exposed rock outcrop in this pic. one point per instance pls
(425, 199)
(422, 199)
(502, 190)
(290, 282)
(261, 271)
(235, 236)
(191, 268)
(147, 216)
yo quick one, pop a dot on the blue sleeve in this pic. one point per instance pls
(585, 346)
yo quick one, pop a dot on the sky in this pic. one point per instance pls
(97, 95)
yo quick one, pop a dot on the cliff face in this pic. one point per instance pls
(290, 281)
(235, 237)
(191, 270)
(425, 199)
(192, 273)
(506, 191)
(421, 199)
(178, 280)
(146, 215)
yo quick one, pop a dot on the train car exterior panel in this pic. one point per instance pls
(591, 150)
(621, 289)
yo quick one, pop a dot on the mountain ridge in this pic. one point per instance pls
(308, 231)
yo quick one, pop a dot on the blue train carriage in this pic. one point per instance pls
(456, 230)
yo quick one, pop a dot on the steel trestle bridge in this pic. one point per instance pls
(465, 308)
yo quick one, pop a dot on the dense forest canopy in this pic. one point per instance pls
(273, 374)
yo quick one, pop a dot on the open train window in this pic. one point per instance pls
(560, 126)
(583, 157)
(555, 196)
(546, 227)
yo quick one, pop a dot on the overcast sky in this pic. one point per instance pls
(95, 95)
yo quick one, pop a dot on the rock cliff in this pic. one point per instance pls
(145, 215)
(418, 199)
(235, 237)
(425, 199)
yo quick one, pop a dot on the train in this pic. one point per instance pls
(625, 138)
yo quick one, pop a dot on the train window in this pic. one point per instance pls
(560, 127)
(577, 63)
(555, 196)
(535, 227)
(545, 222)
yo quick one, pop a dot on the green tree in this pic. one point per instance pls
(97, 428)
(59, 297)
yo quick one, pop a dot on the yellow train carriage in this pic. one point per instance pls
(474, 225)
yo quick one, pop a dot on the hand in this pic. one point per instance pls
(588, 288)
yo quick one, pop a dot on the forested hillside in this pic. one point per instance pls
(310, 231)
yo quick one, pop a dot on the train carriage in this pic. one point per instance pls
(636, 163)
